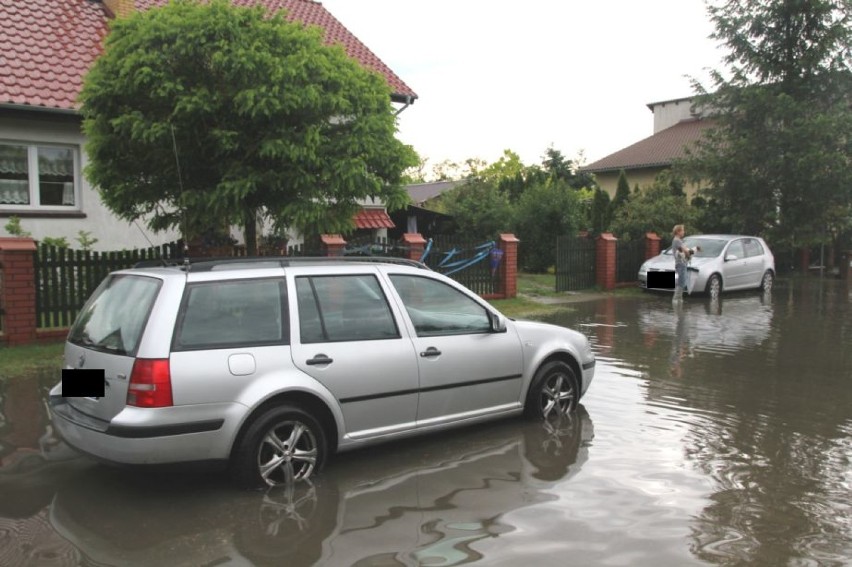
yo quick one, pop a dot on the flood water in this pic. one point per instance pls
(712, 434)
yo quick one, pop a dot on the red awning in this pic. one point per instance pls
(373, 218)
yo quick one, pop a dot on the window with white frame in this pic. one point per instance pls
(38, 176)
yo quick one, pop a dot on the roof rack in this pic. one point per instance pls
(213, 264)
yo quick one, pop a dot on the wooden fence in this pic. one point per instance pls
(66, 278)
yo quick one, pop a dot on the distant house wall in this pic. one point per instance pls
(608, 180)
(669, 113)
(87, 213)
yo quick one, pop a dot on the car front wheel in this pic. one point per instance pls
(284, 445)
(714, 286)
(767, 281)
(554, 391)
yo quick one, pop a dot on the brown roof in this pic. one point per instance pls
(658, 150)
(46, 46)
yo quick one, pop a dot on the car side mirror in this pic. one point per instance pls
(498, 323)
(731, 257)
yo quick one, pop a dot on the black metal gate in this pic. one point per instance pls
(575, 263)
(629, 256)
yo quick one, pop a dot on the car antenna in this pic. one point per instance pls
(183, 208)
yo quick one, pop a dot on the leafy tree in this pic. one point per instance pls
(622, 192)
(778, 161)
(544, 212)
(479, 208)
(601, 213)
(654, 209)
(203, 114)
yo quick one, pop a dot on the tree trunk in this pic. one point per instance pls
(250, 227)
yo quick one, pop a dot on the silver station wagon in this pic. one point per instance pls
(271, 366)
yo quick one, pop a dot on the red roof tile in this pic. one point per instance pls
(372, 218)
(661, 149)
(46, 46)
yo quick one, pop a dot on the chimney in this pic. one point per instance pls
(119, 8)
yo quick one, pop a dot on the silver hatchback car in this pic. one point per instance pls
(271, 366)
(721, 262)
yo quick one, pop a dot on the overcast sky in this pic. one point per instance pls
(524, 75)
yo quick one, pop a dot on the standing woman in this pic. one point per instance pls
(681, 255)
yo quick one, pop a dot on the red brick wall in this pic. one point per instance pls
(508, 269)
(17, 290)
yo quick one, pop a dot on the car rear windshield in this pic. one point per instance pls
(114, 317)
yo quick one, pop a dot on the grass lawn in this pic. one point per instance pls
(24, 360)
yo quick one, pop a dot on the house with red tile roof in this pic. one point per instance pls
(677, 126)
(46, 48)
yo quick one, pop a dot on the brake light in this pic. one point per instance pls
(150, 383)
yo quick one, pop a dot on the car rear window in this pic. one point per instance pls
(115, 316)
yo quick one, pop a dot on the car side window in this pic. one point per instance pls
(736, 249)
(753, 248)
(343, 308)
(436, 308)
(233, 314)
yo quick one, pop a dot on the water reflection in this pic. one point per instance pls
(754, 393)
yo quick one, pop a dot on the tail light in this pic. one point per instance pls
(150, 383)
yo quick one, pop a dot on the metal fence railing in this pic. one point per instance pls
(465, 260)
(575, 263)
(629, 256)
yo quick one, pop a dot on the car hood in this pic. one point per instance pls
(662, 262)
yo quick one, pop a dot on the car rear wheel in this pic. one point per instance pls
(714, 286)
(767, 281)
(554, 392)
(284, 445)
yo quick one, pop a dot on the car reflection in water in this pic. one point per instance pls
(421, 502)
(719, 326)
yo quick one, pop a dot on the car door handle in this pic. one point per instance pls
(431, 351)
(319, 359)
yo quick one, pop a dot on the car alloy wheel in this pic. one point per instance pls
(284, 445)
(767, 281)
(554, 391)
(714, 286)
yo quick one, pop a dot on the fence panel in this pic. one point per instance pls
(575, 263)
(476, 276)
(65, 278)
(629, 255)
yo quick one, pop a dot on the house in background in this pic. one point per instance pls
(676, 126)
(417, 217)
(46, 48)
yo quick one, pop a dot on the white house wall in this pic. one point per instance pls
(112, 233)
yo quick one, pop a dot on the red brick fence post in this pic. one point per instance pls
(17, 290)
(415, 244)
(605, 260)
(508, 269)
(333, 244)
(652, 245)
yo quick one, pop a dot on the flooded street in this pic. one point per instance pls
(713, 434)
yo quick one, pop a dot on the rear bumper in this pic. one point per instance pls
(150, 436)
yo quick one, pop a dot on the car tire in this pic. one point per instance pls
(714, 286)
(767, 281)
(554, 392)
(283, 445)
